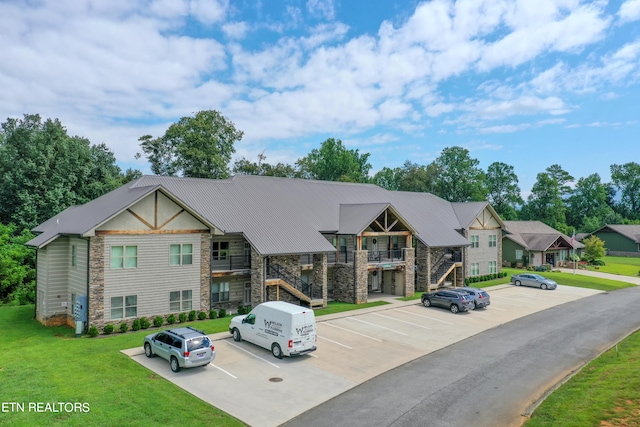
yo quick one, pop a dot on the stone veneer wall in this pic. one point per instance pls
(205, 272)
(291, 263)
(409, 271)
(320, 275)
(423, 261)
(623, 253)
(257, 278)
(361, 276)
(343, 287)
(96, 281)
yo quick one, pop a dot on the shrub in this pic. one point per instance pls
(192, 315)
(144, 323)
(108, 329)
(135, 325)
(598, 262)
(182, 317)
(124, 327)
(202, 315)
(171, 319)
(158, 321)
(93, 331)
(222, 313)
(213, 314)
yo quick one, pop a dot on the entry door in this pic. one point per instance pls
(246, 300)
(375, 281)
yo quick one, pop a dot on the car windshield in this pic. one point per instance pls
(197, 343)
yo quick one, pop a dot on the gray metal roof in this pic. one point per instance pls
(630, 231)
(276, 215)
(535, 235)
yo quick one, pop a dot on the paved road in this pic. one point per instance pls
(491, 378)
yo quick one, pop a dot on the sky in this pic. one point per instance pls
(527, 83)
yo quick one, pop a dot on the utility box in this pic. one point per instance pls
(80, 309)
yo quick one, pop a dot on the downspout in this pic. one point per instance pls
(86, 325)
(35, 307)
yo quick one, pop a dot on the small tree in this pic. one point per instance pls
(593, 248)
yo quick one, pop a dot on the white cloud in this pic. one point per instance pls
(629, 11)
(235, 30)
(321, 9)
(209, 11)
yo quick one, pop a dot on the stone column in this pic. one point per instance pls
(320, 275)
(205, 272)
(409, 279)
(360, 276)
(257, 278)
(423, 261)
(96, 282)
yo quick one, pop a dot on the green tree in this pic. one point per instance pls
(587, 208)
(503, 190)
(43, 170)
(562, 177)
(593, 249)
(417, 178)
(198, 147)
(626, 178)
(545, 203)
(17, 266)
(334, 162)
(387, 178)
(246, 167)
(459, 179)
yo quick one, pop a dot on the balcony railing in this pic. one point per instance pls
(233, 262)
(277, 271)
(392, 255)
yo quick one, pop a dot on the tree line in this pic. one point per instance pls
(43, 170)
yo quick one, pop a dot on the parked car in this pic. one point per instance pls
(182, 347)
(533, 280)
(480, 297)
(454, 301)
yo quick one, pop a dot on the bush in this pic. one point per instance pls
(598, 262)
(222, 313)
(192, 315)
(171, 319)
(182, 317)
(135, 325)
(144, 323)
(124, 327)
(158, 321)
(202, 315)
(108, 329)
(213, 314)
(93, 331)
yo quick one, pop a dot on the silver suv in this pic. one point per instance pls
(182, 347)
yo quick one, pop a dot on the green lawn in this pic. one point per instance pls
(625, 266)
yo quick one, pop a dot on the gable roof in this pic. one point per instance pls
(535, 235)
(467, 212)
(630, 231)
(276, 215)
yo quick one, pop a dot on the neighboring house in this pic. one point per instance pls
(162, 245)
(533, 243)
(620, 239)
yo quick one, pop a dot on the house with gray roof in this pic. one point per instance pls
(534, 243)
(160, 245)
(620, 239)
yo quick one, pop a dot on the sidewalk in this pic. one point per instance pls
(618, 277)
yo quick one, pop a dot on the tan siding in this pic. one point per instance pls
(57, 265)
(154, 278)
(78, 274)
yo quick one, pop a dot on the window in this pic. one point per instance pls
(74, 255)
(343, 244)
(493, 241)
(124, 256)
(122, 307)
(219, 292)
(180, 254)
(394, 242)
(475, 269)
(518, 254)
(475, 241)
(493, 267)
(364, 243)
(220, 250)
(247, 253)
(180, 300)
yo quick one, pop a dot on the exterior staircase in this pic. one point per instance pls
(294, 285)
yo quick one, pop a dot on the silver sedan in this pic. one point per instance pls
(533, 280)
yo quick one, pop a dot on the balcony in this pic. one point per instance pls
(393, 255)
(231, 263)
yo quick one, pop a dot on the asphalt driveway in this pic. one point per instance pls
(353, 348)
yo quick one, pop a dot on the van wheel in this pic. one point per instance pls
(147, 350)
(175, 366)
(276, 350)
(236, 335)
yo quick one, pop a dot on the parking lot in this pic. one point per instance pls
(249, 383)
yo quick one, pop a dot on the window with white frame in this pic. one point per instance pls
(219, 292)
(493, 267)
(493, 241)
(180, 254)
(180, 300)
(220, 250)
(475, 241)
(124, 257)
(124, 307)
(518, 254)
(74, 255)
(475, 269)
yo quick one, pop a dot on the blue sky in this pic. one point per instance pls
(528, 83)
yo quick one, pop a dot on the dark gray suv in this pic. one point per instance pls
(182, 347)
(454, 301)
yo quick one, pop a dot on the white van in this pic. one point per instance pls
(285, 329)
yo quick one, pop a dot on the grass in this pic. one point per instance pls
(604, 393)
(625, 266)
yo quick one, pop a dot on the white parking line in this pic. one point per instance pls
(427, 317)
(335, 342)
(378, 326)
(246, 351)
(403, 321)
(226, 372)
(349, 330)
